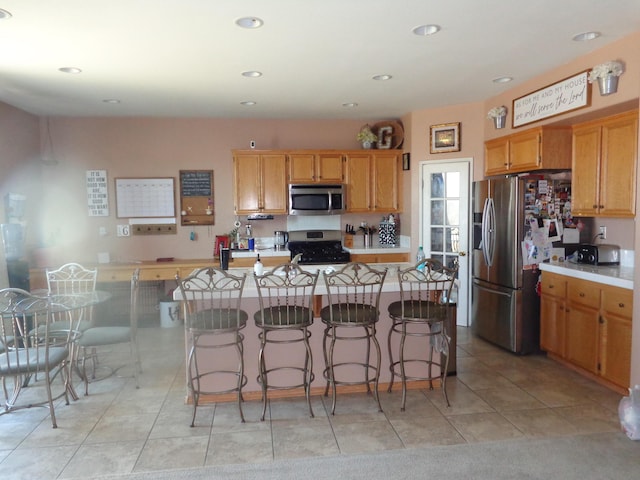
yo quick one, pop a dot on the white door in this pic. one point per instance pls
(444, 221)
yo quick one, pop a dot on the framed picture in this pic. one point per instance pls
(445, 137)
(406, 161)
(384, 137)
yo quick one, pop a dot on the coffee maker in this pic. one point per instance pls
(280, 239)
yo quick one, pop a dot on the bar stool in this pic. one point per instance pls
(422, 311)
(286, 313)
(213, 321)
(353, 303)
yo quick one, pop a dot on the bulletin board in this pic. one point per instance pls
(145, 197)
(196, 197)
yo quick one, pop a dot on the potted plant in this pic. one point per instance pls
(498, 115)
(606, 74)
(366, 136)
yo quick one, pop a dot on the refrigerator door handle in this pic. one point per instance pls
(488, 231)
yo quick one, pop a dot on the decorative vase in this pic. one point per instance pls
(608, 84)
(367, 145)
(500, 122)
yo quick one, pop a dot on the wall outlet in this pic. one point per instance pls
(603, 232)
(124, 230)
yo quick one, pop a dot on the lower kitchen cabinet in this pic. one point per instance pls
(380, 257)
(590, 328)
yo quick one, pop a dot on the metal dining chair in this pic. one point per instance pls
(285, 315)
(214, 319)
(423, 311)
(94, 338)
(353, 304)
(29, 348)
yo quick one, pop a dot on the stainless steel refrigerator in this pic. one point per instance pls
(505, 305)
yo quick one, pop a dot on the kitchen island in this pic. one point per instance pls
(250, 303)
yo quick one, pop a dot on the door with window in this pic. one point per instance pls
(444, 221)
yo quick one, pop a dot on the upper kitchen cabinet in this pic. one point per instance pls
(543, 148)
(321, 167)
(373, 182)
(605, 155)
(260, 182)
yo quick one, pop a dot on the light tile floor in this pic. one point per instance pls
(118, 429)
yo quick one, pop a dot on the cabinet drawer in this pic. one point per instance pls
(554, 285)
(114, 275)
(584, 293)
(150, 274)
(617, 301)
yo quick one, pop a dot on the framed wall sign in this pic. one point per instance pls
(196, 197)
(568, 94)
(406, 161)
(445, 137)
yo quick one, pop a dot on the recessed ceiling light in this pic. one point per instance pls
(248, 103)
(382, 77)
(249, 22)
(111, 100)
(426, 30)
(502, 79)
(252, 74)
(585, 36)
(4, 15)
(350, 104)
(70, 70)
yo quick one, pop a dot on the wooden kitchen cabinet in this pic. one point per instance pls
(373, 182)
(552, 313)
(582, 324)
(260, 182)
(604, 167)
(590, 329)
(615, 358)
(321, 167)
(531, 150)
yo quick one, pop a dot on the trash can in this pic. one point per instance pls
(169, 314)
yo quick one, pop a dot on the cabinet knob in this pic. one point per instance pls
(600, 206)
(582, 294)
(550, 286)
(594, 206)
(621, 305)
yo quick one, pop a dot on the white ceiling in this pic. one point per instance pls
(184, 58)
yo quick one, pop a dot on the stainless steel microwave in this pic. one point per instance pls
(316, 199)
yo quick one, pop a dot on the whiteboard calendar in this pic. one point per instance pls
(145, 197)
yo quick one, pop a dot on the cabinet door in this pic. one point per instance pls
(582, 334)
(615, 361)
(385, 182)
(552, 324)
(358, 174)
(552, 313)
(302, 167)
(585, 171)
(618, 167)
(329, 168)
(496, 156)
(274, 183)
(247, 183)
(524, 151)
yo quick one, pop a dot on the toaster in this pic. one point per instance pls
(599, 254)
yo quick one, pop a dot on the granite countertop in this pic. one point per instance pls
(614, 275)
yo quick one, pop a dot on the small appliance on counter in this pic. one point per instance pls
(280, 239)
(598, 254)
